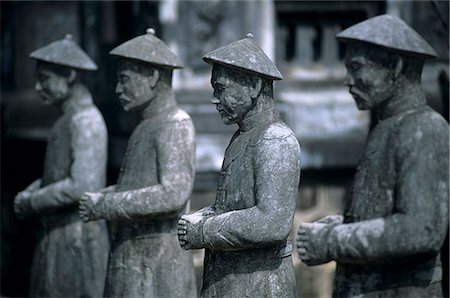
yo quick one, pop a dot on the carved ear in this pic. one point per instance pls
(256, 89)
(154, 78)
(72, 76)
(398, 67)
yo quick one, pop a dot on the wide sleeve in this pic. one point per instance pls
(276, 170)
(88, 167)
(418, 224)
(35, 185)
(175, 154)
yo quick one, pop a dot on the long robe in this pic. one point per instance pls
(248, 253)
(71, 256)
(396, 220)
(152, 192)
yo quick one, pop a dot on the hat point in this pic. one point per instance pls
(148, 48)
(246, 55)
(65, 52)
(390, 33)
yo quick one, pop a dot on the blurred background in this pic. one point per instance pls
(299, 36)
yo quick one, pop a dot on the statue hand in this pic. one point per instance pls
(206, 212)
(22, 204)
(190, 230)
(87, 206)
(331, 219)
(312, 245)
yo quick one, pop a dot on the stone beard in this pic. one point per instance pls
(245, 233)
(154, 184)
(71, 256)
(396, 220)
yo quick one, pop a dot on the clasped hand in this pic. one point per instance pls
(313, 242)
(189, 227)
(22, 204)
(87, 205)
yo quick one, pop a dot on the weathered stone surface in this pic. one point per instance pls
(388, 241)
(401, 37)
(154, 184)
(148, 48)
(246, 55)
(65, 52)
(70, 258)
(246, 231)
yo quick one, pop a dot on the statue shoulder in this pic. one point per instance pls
(180, 115)
(276, 132)
(426, 122)
(423, 131)
(88, 118)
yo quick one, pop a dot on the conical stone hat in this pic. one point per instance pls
(148, 48)
(391, 33)
(246, 55)
(65, 52)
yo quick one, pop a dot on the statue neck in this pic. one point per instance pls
(162, 101)
(406, 97)
(263, 111)
(79, 97)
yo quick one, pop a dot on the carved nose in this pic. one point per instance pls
(119, 88)
(38, 87)
(348, 80)
(214, 100)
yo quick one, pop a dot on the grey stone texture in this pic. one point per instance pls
(400, 38)
(70, 257)
(65, 52)
(395, 222)
(245, 232)
(154, 184)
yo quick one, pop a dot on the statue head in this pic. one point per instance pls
(145, 70)
(242, 78)
(138, 83)
(54, 82)
(58, 65)
(383, 57)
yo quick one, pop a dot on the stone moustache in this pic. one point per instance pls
(155, 180)
(70, 258)
(245, 233)
(387, 243)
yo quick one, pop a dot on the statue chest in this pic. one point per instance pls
(373, 192)
(235, 189)
(58, 156)
(140, 167)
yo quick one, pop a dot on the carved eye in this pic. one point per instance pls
(43, 77)
(355, 66)
(123, 79)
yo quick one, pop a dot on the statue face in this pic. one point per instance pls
(54, 88)
(231, 94)
(369, 83)
(133, 87)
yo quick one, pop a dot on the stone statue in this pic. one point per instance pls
(71, 256)
(387, 242)
(155, 181)
(246, 231)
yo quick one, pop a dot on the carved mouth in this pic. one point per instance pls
(355, 95)
(124, 100)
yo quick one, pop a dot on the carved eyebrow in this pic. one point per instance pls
(124, 73)
(361, 60)
(220, 81)
(44, 72)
